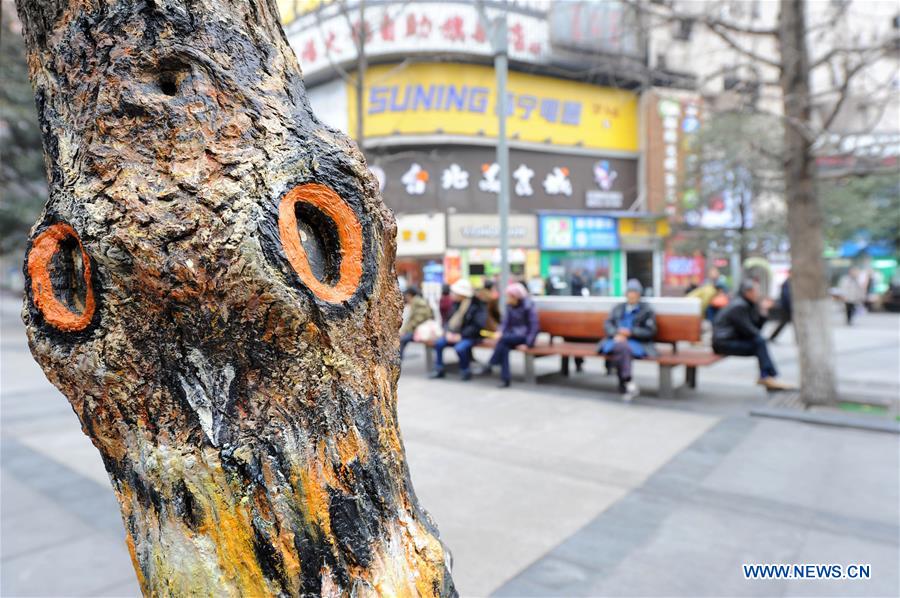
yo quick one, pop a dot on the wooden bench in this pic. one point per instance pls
(575, 326)
(578, 321)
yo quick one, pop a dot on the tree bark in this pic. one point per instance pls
(811, 305)
(211, 284)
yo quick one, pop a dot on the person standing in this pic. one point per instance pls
(784, 302)
(520, 327)
(577, 283)
(630, 330)
(463, 329)
(419, 312)
(737, 331)
(853, 293)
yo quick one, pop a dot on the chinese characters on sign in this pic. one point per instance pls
(523, 176)
(455, 177)
(557, 182)
(415, 179)
(440, 99)
(578, 232)
(404, 28)
(464, 98)
(467, 179)
(669, 111)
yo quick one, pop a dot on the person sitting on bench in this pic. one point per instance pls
(630, 330)
(418, 312)
(463, 330)
(520, 327)
(737, 331)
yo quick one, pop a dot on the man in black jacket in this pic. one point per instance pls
(737, 331)
(462, 329)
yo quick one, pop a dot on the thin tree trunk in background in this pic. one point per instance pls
(811, 304)
(212, 287)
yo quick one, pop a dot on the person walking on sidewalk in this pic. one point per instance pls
(630, 330)
(784, 302)
(419, 312)
(853, 293)
(737, 331)
(520, 327)
(463, 329)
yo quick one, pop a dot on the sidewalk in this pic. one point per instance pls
(544, 490)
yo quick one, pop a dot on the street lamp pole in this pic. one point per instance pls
(499, 43)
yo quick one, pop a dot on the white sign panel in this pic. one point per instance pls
(483, 230)
(421, 234)
(325, 37)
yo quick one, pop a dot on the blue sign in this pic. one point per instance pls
(433, 271)
(579, 232)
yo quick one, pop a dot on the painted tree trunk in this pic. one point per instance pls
(809, 290)
(212, 286)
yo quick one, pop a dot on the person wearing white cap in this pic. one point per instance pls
(630, 330)
(462, 329)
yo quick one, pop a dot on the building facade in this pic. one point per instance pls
(426, 115)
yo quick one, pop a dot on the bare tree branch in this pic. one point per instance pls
(734, 45)
(843, 92)
(851, 51)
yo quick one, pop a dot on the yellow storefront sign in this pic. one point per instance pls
(460, 99)
(634, 227)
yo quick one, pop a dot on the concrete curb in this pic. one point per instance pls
(829, 419)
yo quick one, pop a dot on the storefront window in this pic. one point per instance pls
(581, 273)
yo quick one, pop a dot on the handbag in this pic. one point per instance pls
(719, 301)
(428, 331)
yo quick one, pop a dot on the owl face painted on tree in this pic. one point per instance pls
(212, 287)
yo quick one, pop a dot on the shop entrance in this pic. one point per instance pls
(639, 264)
(581, 272)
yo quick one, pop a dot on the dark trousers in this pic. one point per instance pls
(501, 353)
(463, 350)
(405, 339)
(851, 311)
(621, 356)
(747, 347)
(785, 320)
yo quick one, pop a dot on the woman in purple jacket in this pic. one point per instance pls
(520, 327)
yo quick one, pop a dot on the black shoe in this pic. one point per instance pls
(503, 384)
(436, 374)
(465, 375)
(482, 370)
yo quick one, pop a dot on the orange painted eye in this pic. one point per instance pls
(322, 239)
(60, 272)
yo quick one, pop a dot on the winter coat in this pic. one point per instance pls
(739, 320)
(419, 312)
(643, 328)
(705, 294)
(851, 290)
(474, 319)
(785, 299)
(521, 320)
